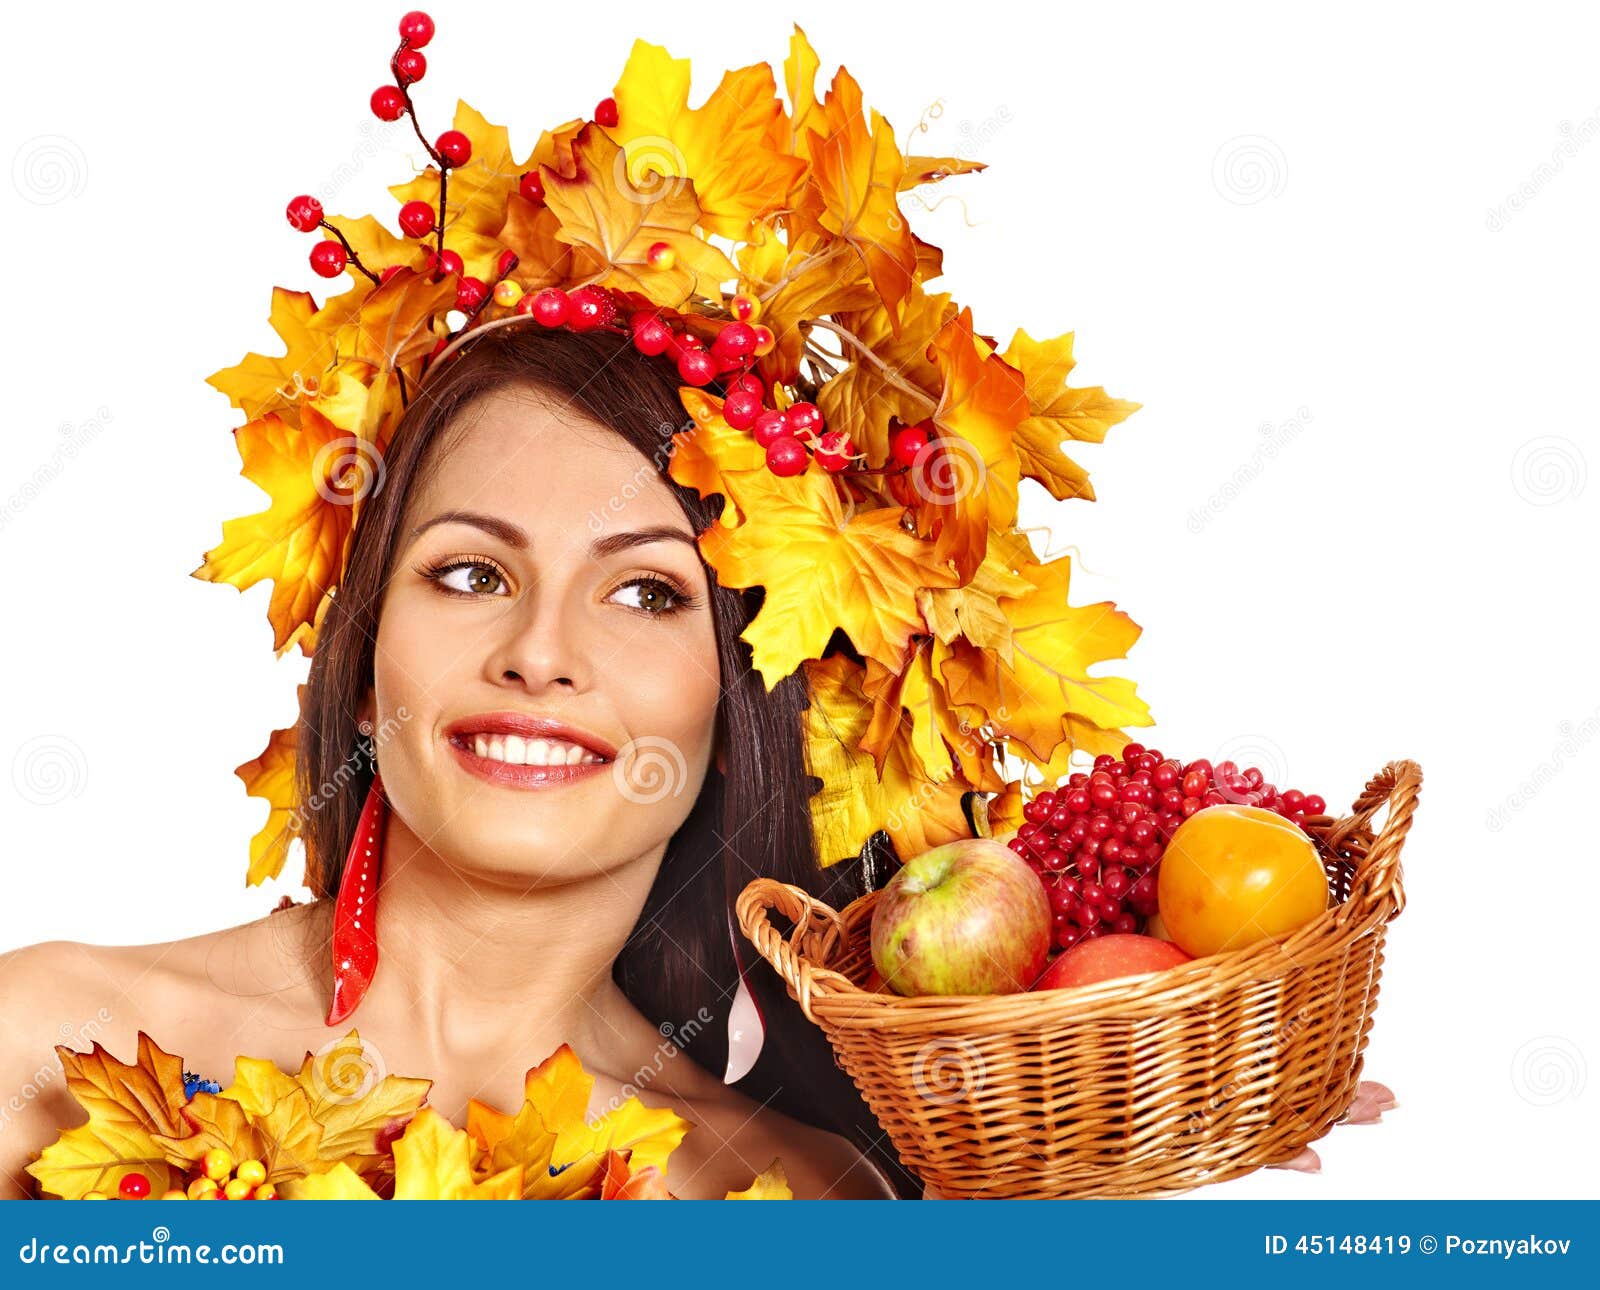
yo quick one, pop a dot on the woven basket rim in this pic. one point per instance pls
(1375, 898)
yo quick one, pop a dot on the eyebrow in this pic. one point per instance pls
(517, 538)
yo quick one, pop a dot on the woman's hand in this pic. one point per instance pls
(1372, 1099)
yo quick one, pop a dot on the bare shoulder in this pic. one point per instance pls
(55, 992)
(76, 994)
(735, 1138)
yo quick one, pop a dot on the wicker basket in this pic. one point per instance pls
(1125, 1088)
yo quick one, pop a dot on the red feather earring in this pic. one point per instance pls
(355, 910)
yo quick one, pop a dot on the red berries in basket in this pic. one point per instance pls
(1096, 841)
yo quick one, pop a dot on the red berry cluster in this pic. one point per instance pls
(1096, 842)
(790, 436)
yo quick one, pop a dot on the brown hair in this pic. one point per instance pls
(751, 819)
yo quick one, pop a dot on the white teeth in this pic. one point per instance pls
(515, 750)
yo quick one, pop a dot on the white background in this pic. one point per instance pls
(1347, 262)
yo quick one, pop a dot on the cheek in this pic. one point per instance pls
(670, 689)
(416, 658)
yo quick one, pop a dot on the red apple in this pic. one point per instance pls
(969, 917)
(1107, 957)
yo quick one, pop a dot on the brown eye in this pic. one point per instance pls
(649, 595)
(470, 578)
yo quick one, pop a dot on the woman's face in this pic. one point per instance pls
(545, 578)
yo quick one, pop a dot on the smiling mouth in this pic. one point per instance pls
(519, 750)
(540, 763)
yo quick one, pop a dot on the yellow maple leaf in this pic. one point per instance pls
(900, 381)
(286, 1139)
(821, 571)
(968, 479)
(973, 610)
(271, 775)
(1058, 412)
(797, 280)
(130, 1108)
(856, 168)
(358, 1106)
(475, 194)
(770, 1184)
(928, 170)
(396, 325)
(702, 455)
(729, 147)
(600, 212)
(315, 483)
(261, 383)
(338, 1183)
(562, 1155)
(1054, 646)
(433, 1161)
(854, 802)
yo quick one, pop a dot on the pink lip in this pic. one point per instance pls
(459, 733)
(529, 727)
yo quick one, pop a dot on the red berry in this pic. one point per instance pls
(741, 408)
(551, 307)
(908, 442)
(834, 451)
(735, 341)
(1131, 752)
(651, 335)
(410, 66)
(506, 262)
(385, 274)
(747, 381)
(786, 455)
(531, 186)
(328, 259)
(454, 147)
(416, 29)
(605, 112)
(592, 307)
(447, 262)
(1314, 805)
(470, 293)
(134, 1186)
(769, 426)
(1294, 801)
(388, 103)
(696, 366)
(803, 419)
(416, 219)
(305, 213)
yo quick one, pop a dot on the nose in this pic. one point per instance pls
(537, 646)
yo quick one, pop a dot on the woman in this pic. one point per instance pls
(525, 558)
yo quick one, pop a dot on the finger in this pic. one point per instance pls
(1382, 1093)
(1307, 1162)
(1368, 1105)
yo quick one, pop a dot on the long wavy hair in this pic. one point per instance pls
(752, 816)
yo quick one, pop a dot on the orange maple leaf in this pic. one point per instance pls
(821, 571)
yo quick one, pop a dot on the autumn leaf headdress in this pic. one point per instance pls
(868, 442)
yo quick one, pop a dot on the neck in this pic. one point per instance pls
(467, 961)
